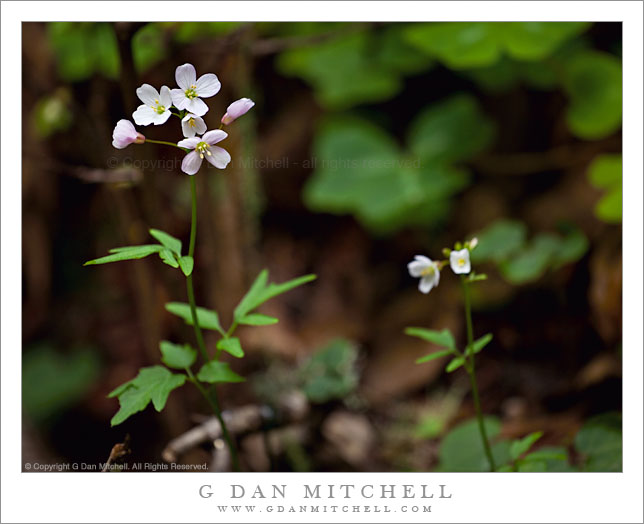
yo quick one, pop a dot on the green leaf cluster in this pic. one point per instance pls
(520, 261)
(599, 442)
(605, 173)
(168, 249)
(445, 339)
(359, 169)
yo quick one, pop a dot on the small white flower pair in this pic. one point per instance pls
(429, 270)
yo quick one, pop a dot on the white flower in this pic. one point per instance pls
(427, 270)
(192, 125)
(156, 106)
(459, 261)
(204, 148)
(236, 109)
(191, 89)
(125, 134)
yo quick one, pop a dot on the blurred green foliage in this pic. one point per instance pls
(52, 381)
(52, 113)
(600, 443)
(605, 173)
(520, 260)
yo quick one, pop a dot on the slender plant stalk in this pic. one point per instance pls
(163, 142)
(211, 398)
(471, 372)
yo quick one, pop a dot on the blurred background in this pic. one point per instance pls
(369, 143)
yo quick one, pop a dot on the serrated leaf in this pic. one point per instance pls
(126, 253)
(186, 263)
(215, 372)
(434, 356)
(168, 257)
(152, 384)
(521, 446)
(479, 344)
(177, 356)
(231, 345)
(207, 318)
(257, 319)
(454, 364)
(260, 292)
(442, 338)
(173, 244)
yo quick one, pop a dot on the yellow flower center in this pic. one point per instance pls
(191, 92)
(158, 107)
(429, 270)
(203, 147)
(460, 262)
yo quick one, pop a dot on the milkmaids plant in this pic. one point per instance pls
(154, 384)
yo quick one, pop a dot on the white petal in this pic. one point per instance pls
(196, 106)
(144, 115)
(208, 85)
(191, 163)
(426, 284)
(186, 76)
(200, 125)
(212, 137)
(459, 261)
(147, 94)
(161, 118)
(416, 268)
(192, 125)
(178, 98)
(165, 97)
(218, 157)
(423, 259)
(190, 143)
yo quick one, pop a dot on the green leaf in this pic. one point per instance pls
(152, 384)
(532, 262)
(552, 459)
(215, 372)
(450, 131)
(207, 318)
(126, 253)
(443, 338)
(231, 345)
(533, 41)
(173, 244)
(600, 441)
(260, 292)
(148, 46)
(331, 372)
(434, 356)
(186, 263)
(499, 240)
(572, 247)
(593, 81)
(462, 450)
(454, 364)
(53, 380)
(521, 446)
(168, 257)
(177, 356)
(479, 344)
(257, 319)
(605, 172)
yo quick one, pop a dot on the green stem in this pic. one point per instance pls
(471, 372)
(212, 400)
(164, 143)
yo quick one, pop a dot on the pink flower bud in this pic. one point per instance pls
(237, 109)
(125, 134)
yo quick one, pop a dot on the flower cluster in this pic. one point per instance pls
(429, 270)
(187, 102)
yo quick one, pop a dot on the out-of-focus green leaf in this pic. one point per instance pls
(173, 244)
(331, 372)
(450, 131)
(177, 356)
(215, 372)
(53, 381)
(521, 446)
(231, 345)
(394, 53)
(148, 46)
(571, 248)
(499, 240)
(442, 338)
(605, 172)
(126, 253)
(153, 384)
(454, 364)
(168, 257)
(600, 441)
(187, 32)
(462, 450)
(187, 263)
(532, 41)
(551, 459)
(532, 262)
(479, 344)
(83, 49)
(257, 319)
(434, 356)
(342, 71)
(52, 113)
(207, 318)
(593, 81)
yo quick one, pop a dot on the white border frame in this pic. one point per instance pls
(158, 497)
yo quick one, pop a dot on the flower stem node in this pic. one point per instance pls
(427, 270)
